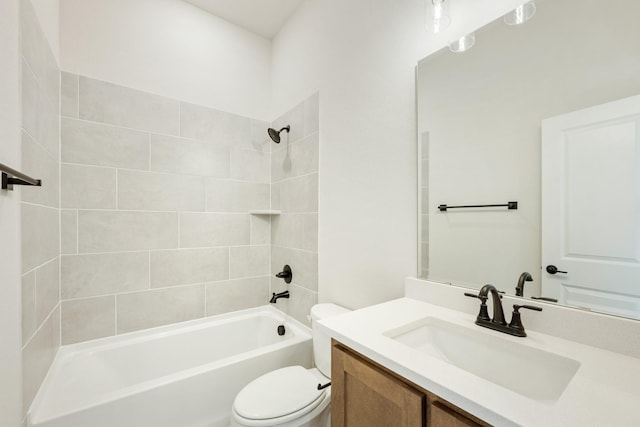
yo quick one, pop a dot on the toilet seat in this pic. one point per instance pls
(278, 397)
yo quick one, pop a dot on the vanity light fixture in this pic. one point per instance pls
(464, 43)
(521, 14)
(437, 15)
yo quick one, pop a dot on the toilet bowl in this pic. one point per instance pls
(290, 397)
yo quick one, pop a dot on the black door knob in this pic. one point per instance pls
(552, 269)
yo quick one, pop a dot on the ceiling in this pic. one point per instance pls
(263, 17)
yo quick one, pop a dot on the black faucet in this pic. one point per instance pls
(498, 323)
(524, 277)
(276, 297)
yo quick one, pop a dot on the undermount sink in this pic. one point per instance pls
(529, 371)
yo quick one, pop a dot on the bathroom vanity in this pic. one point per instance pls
(378, 396)
(421, 360)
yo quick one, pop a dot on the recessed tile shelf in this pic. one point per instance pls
(265, 212)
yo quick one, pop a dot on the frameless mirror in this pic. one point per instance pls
(545, 114)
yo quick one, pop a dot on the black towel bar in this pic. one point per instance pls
(11, 177)
(509, 205)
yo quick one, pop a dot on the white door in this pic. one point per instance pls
(591, 208)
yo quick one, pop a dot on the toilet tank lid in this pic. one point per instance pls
(326, 310)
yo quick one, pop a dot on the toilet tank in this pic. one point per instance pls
(321, 340)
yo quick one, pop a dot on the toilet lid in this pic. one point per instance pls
(279, 393)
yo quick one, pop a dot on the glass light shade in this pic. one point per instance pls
(465, 42)
(520, 14)
(437, 15)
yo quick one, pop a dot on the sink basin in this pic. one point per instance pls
(531, 372)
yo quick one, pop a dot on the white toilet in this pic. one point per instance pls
(289, 397)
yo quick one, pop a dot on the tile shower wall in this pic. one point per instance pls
(155, 195)
(40, 205)
(294, 191)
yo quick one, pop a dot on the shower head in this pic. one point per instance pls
(275, 134)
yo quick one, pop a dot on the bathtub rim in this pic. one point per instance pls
(301, 331)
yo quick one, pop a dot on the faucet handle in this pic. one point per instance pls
(517, 307)
(516, 321)
(468, 294)
(484, 311)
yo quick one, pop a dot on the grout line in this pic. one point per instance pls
(117, 192)
(164, 288)
(44, 322)
(115, 315)
(78, 99)
(77, 231)
(204, 303)
(149, 276)
(159, 172)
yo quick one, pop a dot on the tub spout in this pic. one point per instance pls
(275, 296)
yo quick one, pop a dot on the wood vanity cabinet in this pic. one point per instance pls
(365, 394)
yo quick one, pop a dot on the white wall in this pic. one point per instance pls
(10, 262)
(48, 12)
(170, 48)
(361, 55)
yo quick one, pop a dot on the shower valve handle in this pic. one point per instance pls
(285, 274)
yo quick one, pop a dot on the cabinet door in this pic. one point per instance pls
(363, 395)
(440, 415)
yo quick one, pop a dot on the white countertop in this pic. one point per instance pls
(605, 390)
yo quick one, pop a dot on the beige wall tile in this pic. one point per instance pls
(29, 322)
(88, 187)
(208, 230)
(236, 196)
(249, 261)
(118, 105)
(29, 98)
(37, 356)
(305, 155)
(296, 194)
(160, 191)
(304, 300)
(109, 231)
(69, 95)
(312, 114)
(141, 310)
(297, 231)
(68, 232)
(38, 163)
(51, 77)
(47, 289)
(87, 319)
(48, 125)
(188, 266)
(260, 229)
(32, 38)
(40, 235)
(104, 274)
(232, 295)
(259, 137)
(205, 123)
(281, 163)
(186, 156)
(250, 165)
(287, 230)
(96, 144)
(310, 232)
(304, 266)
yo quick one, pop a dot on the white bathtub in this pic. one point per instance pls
(183, 375)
